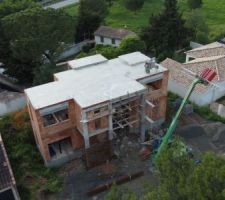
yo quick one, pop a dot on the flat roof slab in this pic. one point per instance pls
(98, 83)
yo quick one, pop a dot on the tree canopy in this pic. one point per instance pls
(193, 4)
(36, 36)
(131, 44)
(196, 22)
(166, 32)
(128, 45)
(134, 5)
(91, 14)
(36, 32)
(182, 178)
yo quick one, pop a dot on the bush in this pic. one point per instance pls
(30, 173)
(131, 44)
(120, 193)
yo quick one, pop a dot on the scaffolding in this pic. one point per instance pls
(125, 113)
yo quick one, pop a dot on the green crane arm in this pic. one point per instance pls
(173, 125)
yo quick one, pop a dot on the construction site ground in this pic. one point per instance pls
(198, 134)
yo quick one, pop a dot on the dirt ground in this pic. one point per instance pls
(78, 181)
(198, 134)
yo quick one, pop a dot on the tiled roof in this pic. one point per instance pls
(6, 175)
(209, 50)
(217, 63)
(118, 33)
(208, 46)
(205, 59)
(179, 75)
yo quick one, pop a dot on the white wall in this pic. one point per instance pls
(107, 41)
(12, 105)
(209, 96)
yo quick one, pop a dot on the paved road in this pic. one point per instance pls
(62, 4)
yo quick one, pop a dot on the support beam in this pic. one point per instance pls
(110, 122)
(142, 118)
(85, 130)
(149, 103)
(149, 120)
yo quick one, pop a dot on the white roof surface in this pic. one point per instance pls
(87, 61)
(94, 84)
(134, 58)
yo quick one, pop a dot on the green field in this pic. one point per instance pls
(72, 9)
(213, 10)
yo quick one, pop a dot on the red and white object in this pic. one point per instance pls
(208, 74)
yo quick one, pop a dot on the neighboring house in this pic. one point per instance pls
(106, 35)
(88, 105)
(212, 49)
(8, 190)
(11, 101)
(181, 74)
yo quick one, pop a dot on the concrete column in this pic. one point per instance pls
(85, 130)
(187, 58)
(142, 118)
(110, 122)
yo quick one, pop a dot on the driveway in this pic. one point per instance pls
(62, 4)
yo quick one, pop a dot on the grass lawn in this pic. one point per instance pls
(119, 16)
(71, 9)
(214, 11)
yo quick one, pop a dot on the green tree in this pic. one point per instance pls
(6, 8)
(37, 36)
(131, 44)
(134, 5)
(120, 193)
(90, 16)
(110, 2)
(193, 4)
(107, 51)
(166, 32)
(207, 180)
(196, 22)
(181, 178)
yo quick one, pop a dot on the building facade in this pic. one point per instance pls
(182, 74)
(88, 104)
(106, 35)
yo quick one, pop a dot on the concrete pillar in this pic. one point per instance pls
(110, 122)
(85, 130)
(187, 58)
(142, 118)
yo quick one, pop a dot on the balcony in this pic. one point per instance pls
(55, 118)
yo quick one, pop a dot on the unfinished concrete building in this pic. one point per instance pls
(82, 111)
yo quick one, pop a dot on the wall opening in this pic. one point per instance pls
(60, 148)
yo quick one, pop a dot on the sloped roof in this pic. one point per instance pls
(209, 50)
(179, 75)
(217, 63)
(207, 46)
(6, 175)
(117, 33)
